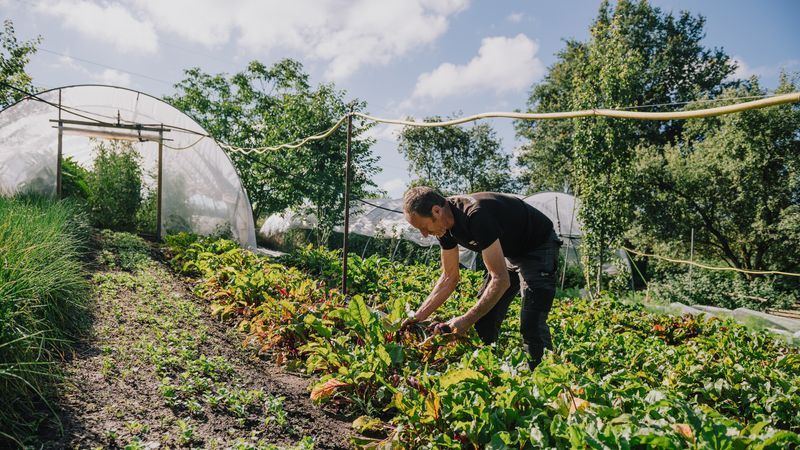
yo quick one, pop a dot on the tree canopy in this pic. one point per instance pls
(457, 160)
(14, 55)
(264, 106)
(636, 56)
(734, 179)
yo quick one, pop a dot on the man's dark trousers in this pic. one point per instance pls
(534, 274)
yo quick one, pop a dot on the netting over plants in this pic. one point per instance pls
(382, 218)
(202, 192)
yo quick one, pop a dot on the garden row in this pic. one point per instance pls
(100, 346)
(44, 288)
(621, 377)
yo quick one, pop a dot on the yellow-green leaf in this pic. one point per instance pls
(433, 405)
(457, 376)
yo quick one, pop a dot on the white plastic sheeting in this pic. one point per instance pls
(367, 220)
(202, 192)
(783, 326)
(385, 220)
(562, 210)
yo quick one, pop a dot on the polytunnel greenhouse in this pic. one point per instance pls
(383, 218)
(197, 184)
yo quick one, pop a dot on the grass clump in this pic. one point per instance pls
(43, 290)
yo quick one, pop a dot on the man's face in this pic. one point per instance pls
(428, 226)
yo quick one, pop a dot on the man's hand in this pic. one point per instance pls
(408, 323)
(457, 325)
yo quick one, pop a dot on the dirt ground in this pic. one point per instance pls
(157, 371)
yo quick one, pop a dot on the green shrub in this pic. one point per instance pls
(146, 214)
(43, 292)
(115, 186)
(74, 180)
(723, 289)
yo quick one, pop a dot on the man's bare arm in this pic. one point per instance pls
(498, 284)
(444, 286)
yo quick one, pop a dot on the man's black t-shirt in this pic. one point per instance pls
(484, 217)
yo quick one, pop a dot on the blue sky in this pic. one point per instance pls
(404, 57)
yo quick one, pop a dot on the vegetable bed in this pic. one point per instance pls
(620, 377)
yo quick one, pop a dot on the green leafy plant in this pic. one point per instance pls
(622, 377)
(115, 185)
(147, 212)
(723, 289)
(74, 180)
(123, 250)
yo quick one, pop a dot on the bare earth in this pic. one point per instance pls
(151, 338)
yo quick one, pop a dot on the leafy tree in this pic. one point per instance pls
(457, 160)
(675, 68)
(263, 106)
(636, 55)
(14, 55)
(546, 159)
(115, 185)
(735, 180)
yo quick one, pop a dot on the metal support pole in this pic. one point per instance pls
(564, 270)
(691, 256)
(347, 170)
(364, 251)
(571, 244)
(600, 268)
(399, 240)
(60, 148)
(159, 182)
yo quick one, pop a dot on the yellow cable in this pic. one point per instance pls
(290, 146)
(622, 114)
(693, 114)
(731, 269)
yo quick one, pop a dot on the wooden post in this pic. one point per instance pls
(60, 148)
(347, 170)
(159, 196)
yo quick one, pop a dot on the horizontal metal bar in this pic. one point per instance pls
(110, 125)
(111, 134)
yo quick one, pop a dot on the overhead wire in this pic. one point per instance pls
(378, 206)
(763, 101)
(706, 266)
(187, 146)
(616, 113)
(106, 66)
(708, 100)
(37, 98)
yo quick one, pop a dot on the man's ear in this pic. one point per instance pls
(436, 211)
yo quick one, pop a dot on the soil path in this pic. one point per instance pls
(157, 371)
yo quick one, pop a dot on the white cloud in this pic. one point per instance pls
(106, 76)
(382, 132)
(502, 65)
(113, 78)
(108, 23)
(745, 71)
(395, 188)
(515, 17)
(346, 35)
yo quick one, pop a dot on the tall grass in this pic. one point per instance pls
(43, 293)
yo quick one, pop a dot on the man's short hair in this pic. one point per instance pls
(420, 200)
